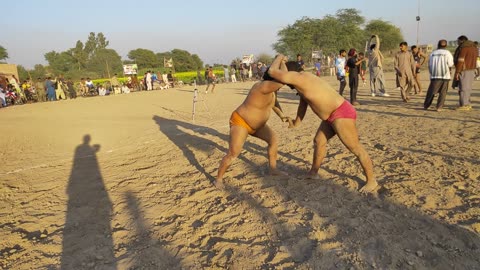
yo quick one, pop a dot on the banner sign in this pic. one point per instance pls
(130, 69)
(248, 59)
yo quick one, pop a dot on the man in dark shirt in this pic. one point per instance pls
(353, 69)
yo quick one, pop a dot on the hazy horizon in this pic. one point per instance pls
(217, 33)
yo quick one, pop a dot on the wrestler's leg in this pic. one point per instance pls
(324, 133)
(347, 132)
(238, 135)
(266, 134)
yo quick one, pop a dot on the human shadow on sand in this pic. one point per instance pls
(190, 143)
(337, 226)
(87, 235)
(144, 251)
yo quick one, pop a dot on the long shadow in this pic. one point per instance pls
(431, 153)
(87, 235)
(356, 231)
(186, 142)
(415, 115)
(281, 234)
(189, 143)
(143, 251)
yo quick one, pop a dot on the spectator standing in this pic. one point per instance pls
(226, 74)
(439, 64)
(331, 64)
(300, 62)
(148, 80)
(363, 67)
(375, 66)
(50, 86)
(40, 88)
(210, 80)
(465, 66)
(318, 67)
(405, 70)
(353, 65)
(340, 67)
(232, 73)
(419, 58)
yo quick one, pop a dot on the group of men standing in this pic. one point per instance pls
(407, 66)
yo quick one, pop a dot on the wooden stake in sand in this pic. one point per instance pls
(197, 96)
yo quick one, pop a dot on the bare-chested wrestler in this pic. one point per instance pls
(338, 115)
(251, 118)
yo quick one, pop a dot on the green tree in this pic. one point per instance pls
(38, 71)
(22, 73)
(265, 58)
(3, 53)
(182, 60)
(60, 63)
(390, 35)
(143, 58)
(80, 56)
(105, 63)
(296, 38)
(344, 30)
(94, 42)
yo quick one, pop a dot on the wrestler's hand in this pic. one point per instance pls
(289, 120)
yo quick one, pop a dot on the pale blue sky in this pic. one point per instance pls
(217, 31)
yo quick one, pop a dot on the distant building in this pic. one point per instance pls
(426, 48)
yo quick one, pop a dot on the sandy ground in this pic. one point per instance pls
(123, 182)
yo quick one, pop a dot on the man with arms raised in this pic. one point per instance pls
(251, 118)
(338, 115)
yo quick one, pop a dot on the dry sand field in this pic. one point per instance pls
(124, 182)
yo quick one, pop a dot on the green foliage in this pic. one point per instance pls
(265, 58)
(332, 33)
(22, 73)
(143, 58)
(105, 62)
(182, 60)
(3, 53)
(390, 35)
(84, 60)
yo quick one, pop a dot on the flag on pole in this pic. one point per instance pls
(168, 63)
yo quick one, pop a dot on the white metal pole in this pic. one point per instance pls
(195, 95)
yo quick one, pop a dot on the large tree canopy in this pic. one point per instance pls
(344, 30)
(143, 58)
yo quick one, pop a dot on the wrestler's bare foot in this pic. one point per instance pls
(277, 172)
(370, 186)
(219, 184)
(312, 175)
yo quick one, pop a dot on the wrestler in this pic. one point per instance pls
(250, 118)
(338, 115)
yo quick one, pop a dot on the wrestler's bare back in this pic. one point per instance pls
(257, 107)
(320, 96)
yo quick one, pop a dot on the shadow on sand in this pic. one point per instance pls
(87, 235)
(334, 227)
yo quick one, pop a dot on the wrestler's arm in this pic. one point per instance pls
(301, 111)
(423, 58)
(278, 110)
(278, 71)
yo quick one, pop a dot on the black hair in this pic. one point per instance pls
(266, 76)
(413, 47)
(342, 51)
(293, 66)
(373, 46)
(403, 43)
(462, 38)
(442, 43)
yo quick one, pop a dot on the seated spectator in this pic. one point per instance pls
(2, 97)
(102, 91)
(125, 89)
